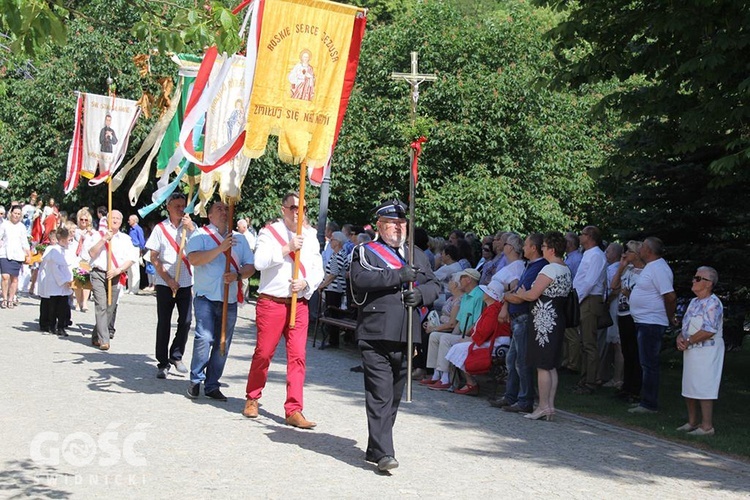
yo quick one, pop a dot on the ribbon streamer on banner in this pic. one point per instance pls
(151, 143)
(160, 195)
(417, 147)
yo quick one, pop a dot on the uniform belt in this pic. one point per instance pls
(279, 300)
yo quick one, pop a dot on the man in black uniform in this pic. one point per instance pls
(380, 276)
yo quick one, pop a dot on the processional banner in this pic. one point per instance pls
(303, 52)
(100, 138)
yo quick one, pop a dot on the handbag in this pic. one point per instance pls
(604, 321)
(572, 310)
(479, 359)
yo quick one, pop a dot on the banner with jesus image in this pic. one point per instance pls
(302, 59)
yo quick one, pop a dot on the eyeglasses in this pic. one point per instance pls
(294, 208)
(697, 279)
(486, 249)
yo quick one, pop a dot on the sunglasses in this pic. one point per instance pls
(294, 208)
(697, 279)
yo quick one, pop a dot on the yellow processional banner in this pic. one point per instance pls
(302, 59)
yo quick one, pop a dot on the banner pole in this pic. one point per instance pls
(109, 246)
(300, 222)
(225, 305)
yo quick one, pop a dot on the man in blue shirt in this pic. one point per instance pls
(206, 253)
(519, 391)
(139, 241)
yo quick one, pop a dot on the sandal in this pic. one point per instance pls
(4, 304)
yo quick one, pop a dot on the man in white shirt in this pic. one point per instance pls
(652, 304)
(167, 247)
(589, 283)
(274, 258)
(571, 356)
(123, 256)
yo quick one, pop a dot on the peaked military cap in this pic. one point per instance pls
(391, 209)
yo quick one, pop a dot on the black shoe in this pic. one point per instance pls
(387, 463)
(61, 332)
(194, 391)
(516, 408)
(217, 395)
(500, 403)
(162, 373)
(357, 369)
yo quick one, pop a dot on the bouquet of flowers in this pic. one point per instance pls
(81, 278)
(40, 248)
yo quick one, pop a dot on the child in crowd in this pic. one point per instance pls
(55, 279)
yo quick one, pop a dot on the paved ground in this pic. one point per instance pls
(81, 423)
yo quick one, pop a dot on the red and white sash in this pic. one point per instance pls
(240, 295)
(123, 279)
(176, 247)
(282, 242)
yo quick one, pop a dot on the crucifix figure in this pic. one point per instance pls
(413, 79)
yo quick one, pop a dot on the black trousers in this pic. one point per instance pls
(165, 305)
(54, 313)
(632, 376)
(384, 363)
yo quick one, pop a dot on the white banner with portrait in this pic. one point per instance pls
(107, 123)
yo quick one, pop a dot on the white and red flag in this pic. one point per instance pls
(100, 138)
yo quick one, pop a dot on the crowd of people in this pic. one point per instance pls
(616, 345)
(468, 296)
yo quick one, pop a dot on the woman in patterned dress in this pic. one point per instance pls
(702, 345)
(549, 293)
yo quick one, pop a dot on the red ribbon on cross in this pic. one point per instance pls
(417, 147)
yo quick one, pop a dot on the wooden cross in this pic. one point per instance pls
(414, 79)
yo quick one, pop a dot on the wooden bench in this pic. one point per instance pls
(345, 323)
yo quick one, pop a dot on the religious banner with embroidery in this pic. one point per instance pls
(100, 138)
(225, 120)
(107, 123)
(303, 55)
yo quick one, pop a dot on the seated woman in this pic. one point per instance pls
(487, 329)
(447, 314)
(448, 324)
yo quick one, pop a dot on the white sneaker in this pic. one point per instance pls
(641, 409)
(686, 428)
(700, 432)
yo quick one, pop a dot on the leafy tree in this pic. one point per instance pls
(679, 167)
(502, 153)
